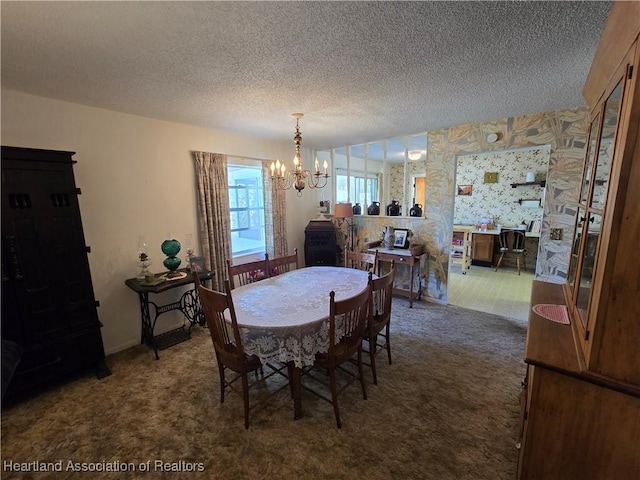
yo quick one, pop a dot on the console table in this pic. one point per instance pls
(402, 256)
(188, 304)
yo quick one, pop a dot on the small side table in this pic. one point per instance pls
(410, 257)
(189, 305)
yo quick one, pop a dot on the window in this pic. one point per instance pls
(357, 188)
(246, 207)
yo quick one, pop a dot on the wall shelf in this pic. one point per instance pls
(542, 183)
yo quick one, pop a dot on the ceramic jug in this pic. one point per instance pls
(389, 237)
(374, 208)
(393, 209)
(416, 210)
(357, 209)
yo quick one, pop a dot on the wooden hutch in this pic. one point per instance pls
(581, 395)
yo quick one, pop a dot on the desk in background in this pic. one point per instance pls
(485, 248)
(188, 304)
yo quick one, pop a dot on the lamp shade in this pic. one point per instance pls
(343, 210)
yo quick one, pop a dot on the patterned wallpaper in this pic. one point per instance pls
(499, 200)
(565, 131)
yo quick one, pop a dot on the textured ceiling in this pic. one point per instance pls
(360, 71)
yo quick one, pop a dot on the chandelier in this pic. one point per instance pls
(298, 177)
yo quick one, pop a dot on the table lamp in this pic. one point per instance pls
(345, 210)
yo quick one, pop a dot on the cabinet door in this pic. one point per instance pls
(482, 248)
(48, 265)
(595, 224)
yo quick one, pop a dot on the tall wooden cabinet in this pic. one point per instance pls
(320, 247)
(581, 398)
(48, 304)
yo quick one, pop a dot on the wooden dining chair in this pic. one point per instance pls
(227, 343)
(361, 261)
(379, 321)
(512, 242)
(349, 316)
(247, 272)
(279, 265)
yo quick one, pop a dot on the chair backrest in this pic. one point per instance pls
(247, 272)
(279, 265)
(225, 335)
(381, 296)
(512, 240)
(351, 314)
(361, 261)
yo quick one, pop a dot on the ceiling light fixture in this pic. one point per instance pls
(415, 155)
(284, 180)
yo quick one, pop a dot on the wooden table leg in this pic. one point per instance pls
(296, 388)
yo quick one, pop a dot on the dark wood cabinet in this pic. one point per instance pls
(482, 246)
(48, 304)
(320, 244)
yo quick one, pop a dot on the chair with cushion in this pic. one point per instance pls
(279, 265)
(380, 318)
(361, 261)
(228, 346)
(349, 317)
(247, 272)
(512, 243)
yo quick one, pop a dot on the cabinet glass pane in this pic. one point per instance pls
(591, 153)
(587, 268)
(573, 261)
(605, 152)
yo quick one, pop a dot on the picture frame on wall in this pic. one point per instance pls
(490, 177)
(465, 189)
(402, 238)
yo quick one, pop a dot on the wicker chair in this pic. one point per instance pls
(279, 265)
(380, 318)
(352, 312)
(247, 272)
(227, 343)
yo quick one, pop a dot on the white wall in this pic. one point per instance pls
(137, 178)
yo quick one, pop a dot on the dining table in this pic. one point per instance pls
(285, 318)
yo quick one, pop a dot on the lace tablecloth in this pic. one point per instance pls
(285, 318)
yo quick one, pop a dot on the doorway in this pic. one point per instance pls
(498, 185)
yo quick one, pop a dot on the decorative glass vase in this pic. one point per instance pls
(143, 259)
(171, 248)
(389, 237)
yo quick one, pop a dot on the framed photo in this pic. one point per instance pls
(465, 189)
(402, 240)
(196, 264)
(490, 177)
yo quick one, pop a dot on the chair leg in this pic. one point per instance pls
(334, 396)
(372, 353)
(518, 263)
(361, 373)
(245, 397)
(499, 261)
(388, 341)
(222, 381)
